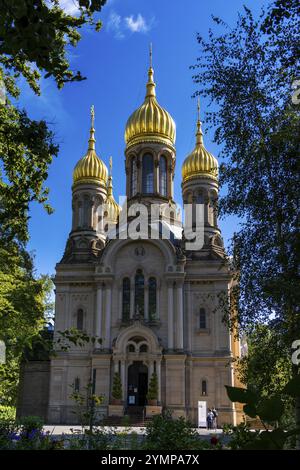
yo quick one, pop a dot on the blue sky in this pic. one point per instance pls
(115, 62)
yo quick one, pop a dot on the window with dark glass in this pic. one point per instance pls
(133, 177)
(126, 299)
(204, 387)
(77, 384)
(163, 175)
(202, 318)
(139, 293)
(143, 348)
(79, 322)
(152, 298)
(147, 174)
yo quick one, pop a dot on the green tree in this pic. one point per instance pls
(248, 71)
(117, 387)
(23, 301)
(35, 37)
(153, 387)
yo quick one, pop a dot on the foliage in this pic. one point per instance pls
(153, 388)
(22, 307)
(30, 424)
(36, 34)
(165, 433)
(117, 387)
(248, 71)
(270, 411)
(7, 413)
(240, 436)
(265, 368)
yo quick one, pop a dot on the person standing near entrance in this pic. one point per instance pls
(209, 419)
(215, 418)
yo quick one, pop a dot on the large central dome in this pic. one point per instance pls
(150, 122)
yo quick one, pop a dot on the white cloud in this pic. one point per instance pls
(118, 25)
(114, 24)
(138, 25)
(69, 6)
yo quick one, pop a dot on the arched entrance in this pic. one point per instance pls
(137, 384)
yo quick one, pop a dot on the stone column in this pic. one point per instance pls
(158, 371)
(107, 315)
(123, 379)
(128, 179)
(179, 325)
(98, 319)
(170, 316)
(150, 370)
(156, 176)
(169, 181)
(139, 175)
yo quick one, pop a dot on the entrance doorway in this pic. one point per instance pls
(137, 384)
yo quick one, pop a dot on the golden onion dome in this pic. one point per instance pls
(150, 122)
(199, 162)
(90, 168)
(111, 206)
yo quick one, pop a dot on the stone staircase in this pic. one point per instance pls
(134, 417)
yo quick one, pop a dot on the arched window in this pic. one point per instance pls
(147, 175)
(143, 348)
(204, 387)
(77, 384)
(139, 293)
(126, 299)
(152, 298)
(133, 177)
(79, 319)
(202, 318)
(163, 175)
(131, 348)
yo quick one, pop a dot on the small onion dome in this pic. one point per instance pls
(199, 162)
(90, 168)
(150, 122)
(111, 206)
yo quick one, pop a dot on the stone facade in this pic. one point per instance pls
(153, 303)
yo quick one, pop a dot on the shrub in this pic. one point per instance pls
(153, 388)
(165, 433)
(117, 387)
(7, 413)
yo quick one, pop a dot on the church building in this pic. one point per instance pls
(152, 302)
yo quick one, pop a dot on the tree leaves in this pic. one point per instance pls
(292, 388)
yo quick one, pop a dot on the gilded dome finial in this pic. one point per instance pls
(199, 135)
(113, 207)
(90, 168)
(92, 139)
(150, 122)
(200, 162)
(109, 184)
(150, 84)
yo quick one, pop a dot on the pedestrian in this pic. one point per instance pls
(209, 419)
(215, 417)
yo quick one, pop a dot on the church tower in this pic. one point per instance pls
(89, 194)
(150, 153)
(200, 186)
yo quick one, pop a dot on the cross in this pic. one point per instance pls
(198, 108)
(150, 53)
(92, 115)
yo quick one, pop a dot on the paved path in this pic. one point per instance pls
(57, 430)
